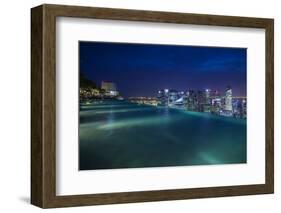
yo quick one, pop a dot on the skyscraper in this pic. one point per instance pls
(207, 95)
(163, 97)
(228, 100)
(207, 100)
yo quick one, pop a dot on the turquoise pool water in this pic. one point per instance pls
(119, 134)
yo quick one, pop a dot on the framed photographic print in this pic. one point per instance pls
(136, 106)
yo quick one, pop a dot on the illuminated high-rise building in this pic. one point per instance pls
(244, 108)
(228, 100)
(207, 95)
(109, 88)
(207, 100)
(216, 106)
(191, 102)
(170, 97)
(163, 97)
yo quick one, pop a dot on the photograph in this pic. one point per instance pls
(136, 105)
(158, 105)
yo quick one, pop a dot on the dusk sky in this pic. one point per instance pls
(143, 69)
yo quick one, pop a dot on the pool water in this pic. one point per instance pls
(120, 134)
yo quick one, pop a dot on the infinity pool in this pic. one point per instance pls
(119, 134)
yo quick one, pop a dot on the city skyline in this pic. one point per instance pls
(174, 103)
(143, 69)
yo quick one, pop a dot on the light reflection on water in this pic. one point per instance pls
(124, 135)
(94, 112)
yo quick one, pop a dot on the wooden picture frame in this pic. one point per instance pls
(43, 105)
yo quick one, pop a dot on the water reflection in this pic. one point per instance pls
(125, 135)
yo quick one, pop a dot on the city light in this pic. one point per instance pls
(206, 101)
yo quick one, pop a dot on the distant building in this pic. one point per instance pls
(244, 108)
(170, 97)
(192, 100)
(109, 88)
(173, 96)
(163, 97)
(207, 96)
(240, 108)
(207, 101)
(228, 99)
(228, 105)
(216, 105)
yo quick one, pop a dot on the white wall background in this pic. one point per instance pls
(15, 105)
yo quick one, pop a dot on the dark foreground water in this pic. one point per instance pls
(118, 134)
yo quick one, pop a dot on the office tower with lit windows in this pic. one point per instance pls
(173, 96)
(170, 97)
(191, 102)
(244, 108)
(207, 96)
(216, 105)
(207, 101)
(200, 101)
(228, 101)
(163, 97)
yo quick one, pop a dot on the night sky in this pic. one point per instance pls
(143, 69)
